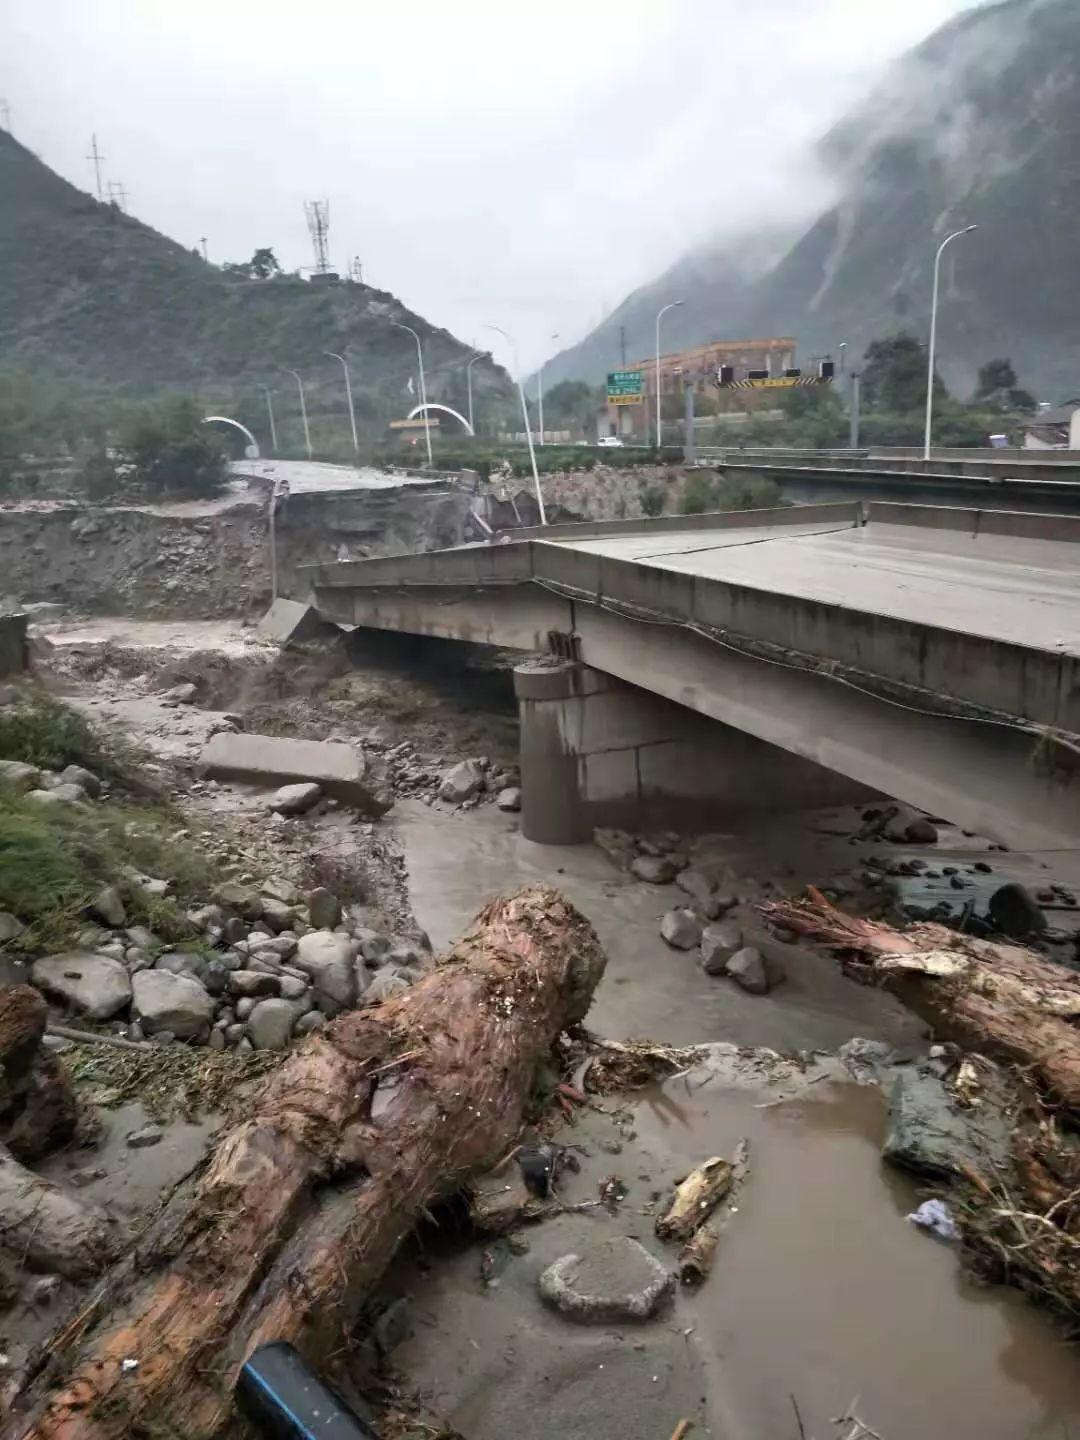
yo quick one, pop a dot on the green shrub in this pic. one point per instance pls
(53, 735)
(699, 494)
(652, 500)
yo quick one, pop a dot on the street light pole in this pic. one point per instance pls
(468, 385)
(933, 334)
(540, 396)
(303, 409)
(674, 304)
(332, 355)
(525, 417)
(843, 351)
(423, 386)
(270, 416)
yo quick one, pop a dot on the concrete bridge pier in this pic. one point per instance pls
(598, 751)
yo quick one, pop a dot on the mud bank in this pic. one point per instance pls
(211, 558)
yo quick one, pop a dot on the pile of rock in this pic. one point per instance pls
(70, 786)
(266, 964)
(465, 785)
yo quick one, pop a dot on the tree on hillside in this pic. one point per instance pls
(263, 265)
(999, 389)
(894, 374)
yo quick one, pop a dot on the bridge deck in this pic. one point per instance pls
(1021, 589)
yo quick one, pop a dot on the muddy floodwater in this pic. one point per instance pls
(822, 1289)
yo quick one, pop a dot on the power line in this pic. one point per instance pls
(97, 157)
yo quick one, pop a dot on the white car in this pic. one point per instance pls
(610, 442)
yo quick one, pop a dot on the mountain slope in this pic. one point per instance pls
(978, 125)
(90, 291)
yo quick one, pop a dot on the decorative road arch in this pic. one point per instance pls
(432, 406)
(252, 449)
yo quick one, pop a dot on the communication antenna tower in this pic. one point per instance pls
(318, 223)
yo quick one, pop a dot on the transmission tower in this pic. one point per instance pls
(118, 196)
(356, 270)
(318, 223)
(97, 157)
(5, 115)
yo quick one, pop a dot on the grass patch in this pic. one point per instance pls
(53, 861)
(52, 735)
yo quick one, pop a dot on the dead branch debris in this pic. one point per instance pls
(1004, 1001)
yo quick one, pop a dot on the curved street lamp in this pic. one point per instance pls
(423, 385)
(303, 409)
(933, 334)
(525, 417)
(270, 415)
(332, 355)
(468, 385)
(673, 305)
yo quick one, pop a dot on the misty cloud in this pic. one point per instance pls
(514, 165)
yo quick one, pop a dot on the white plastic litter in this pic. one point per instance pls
(934, 1215)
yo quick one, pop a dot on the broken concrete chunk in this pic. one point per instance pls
(656, 869)
(747, 968)
(295, 799)
(290, 622)
(616, 1279)
(95, 985)
(339, 769)
(718, 944)
(462, 782)
(681, 929)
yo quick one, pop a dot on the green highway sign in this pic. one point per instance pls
(625, 385)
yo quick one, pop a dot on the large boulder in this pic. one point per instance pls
(1016, 912)
(270, 1024)
(655, 869)
(747, 968)
(242, 899)
(18, 776)
(328, 959)
(295, 799)
(509, 798)
(718, 944)
(461, 782)
(324, 910)
(614, 1280)
(177, 1003)
(681, 929)
(94, 985)
(85, 779)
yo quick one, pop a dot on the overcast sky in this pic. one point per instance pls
(524, 165)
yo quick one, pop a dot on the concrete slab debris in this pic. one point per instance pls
(269, 760)
(615, 1280)
(291, 622)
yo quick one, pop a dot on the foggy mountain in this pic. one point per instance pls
(978, 125)
(88, 290)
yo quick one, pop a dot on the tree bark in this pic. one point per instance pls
(303, 1205)
(46, 1228)
(997, 998)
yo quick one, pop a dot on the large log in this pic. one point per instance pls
(1000, 999)
(303, 1205)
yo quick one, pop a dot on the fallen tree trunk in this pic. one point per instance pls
(303, 1205)
(1000, 999)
